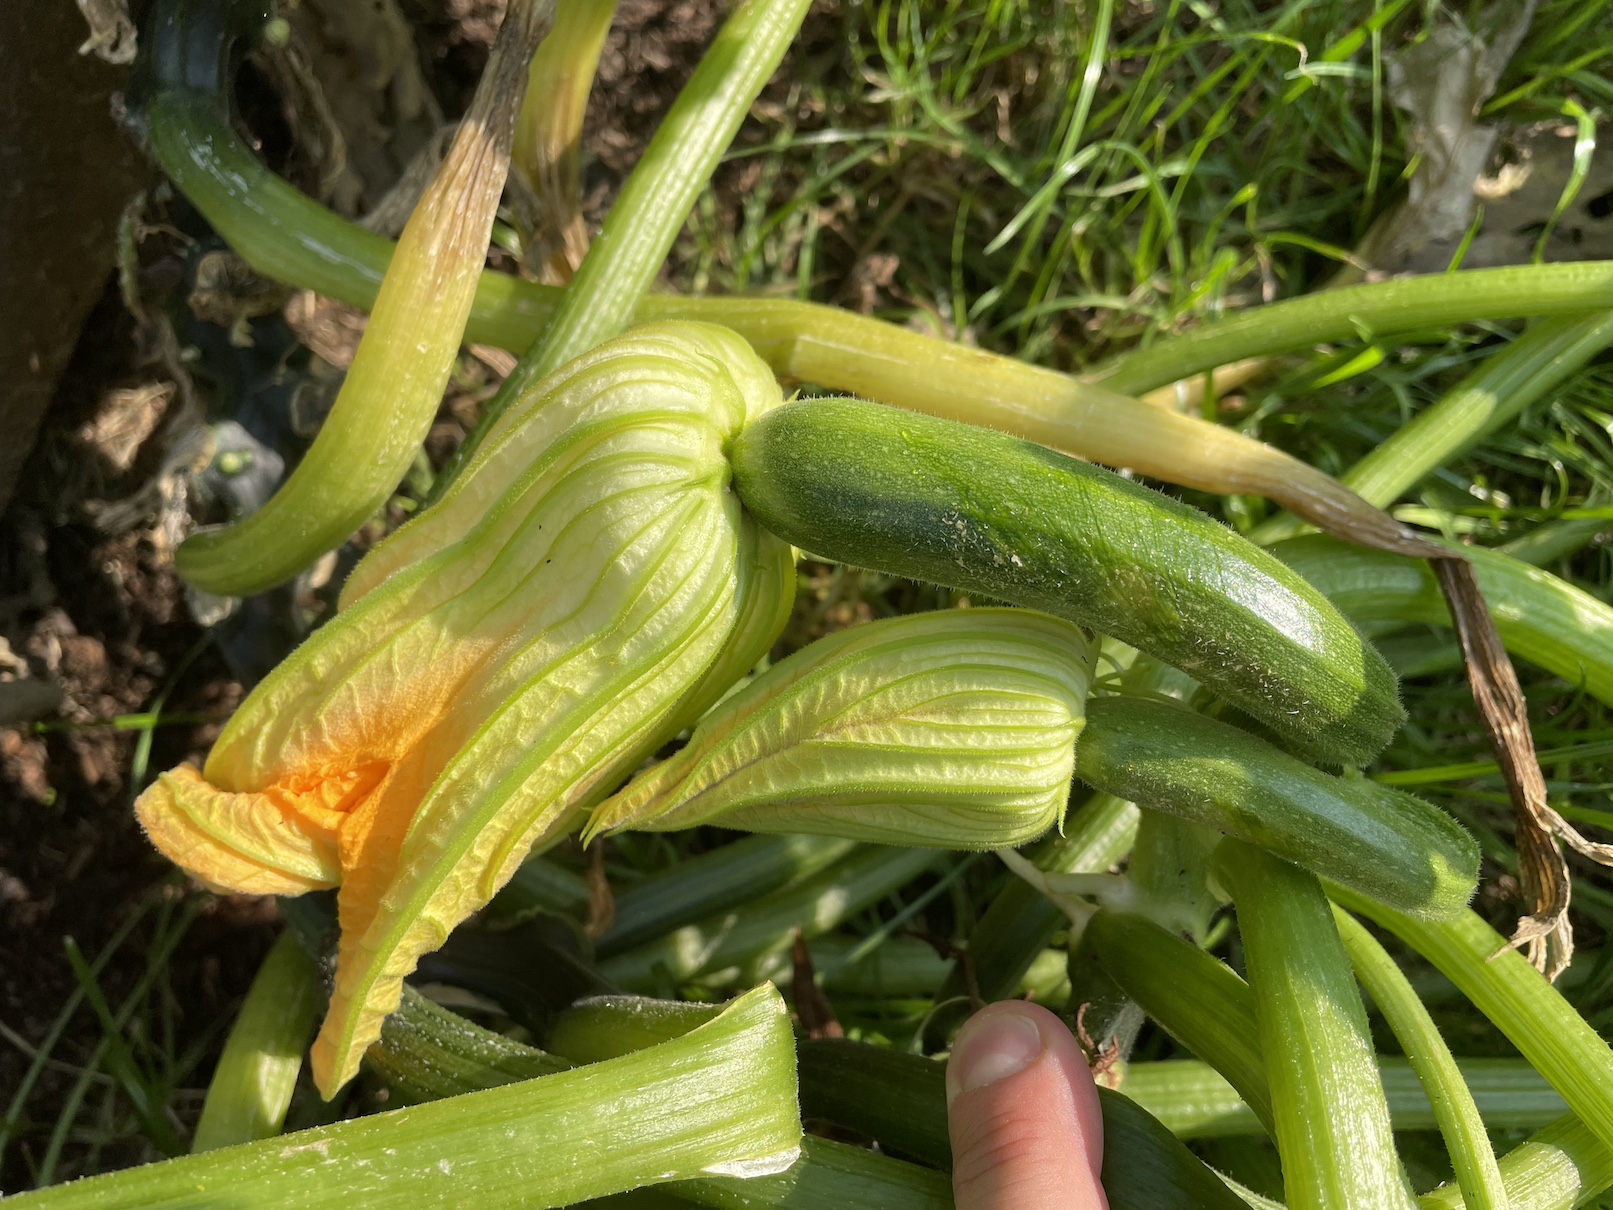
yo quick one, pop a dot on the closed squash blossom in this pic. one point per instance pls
(954, 729)
(588, 587)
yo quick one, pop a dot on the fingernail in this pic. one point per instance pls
(992, 1047)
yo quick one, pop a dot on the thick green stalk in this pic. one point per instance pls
(1459, 1122)
(1562, 1166)
(1333, 1133)
(257, 1073)
(1507, 381)
(462, 1057)
(738, 945)
(1542, 618)
(656, 198)
(1196, 1102)
(395, 384)
(717, 1098)
(715, 881)
(1402, 304)
(1517, 999)
(1197, 999)
(1021, 920)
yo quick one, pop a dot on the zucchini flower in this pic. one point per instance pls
(949, 730)
(587, 588)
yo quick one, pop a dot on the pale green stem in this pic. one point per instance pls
(257, 1073)
(1197, 1102)
(1492, 395)
(1540, 617)
(1560, 1167)
(1459, 1122)
(1517, 999)
(720, 1096)
(1333, 1132)
(1381, 309)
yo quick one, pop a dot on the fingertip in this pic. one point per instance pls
(1026, 1127)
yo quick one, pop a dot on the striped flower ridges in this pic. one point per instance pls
(954, 729)
(497, 665)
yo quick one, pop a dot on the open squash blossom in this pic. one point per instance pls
(954, 730)
(589, 586)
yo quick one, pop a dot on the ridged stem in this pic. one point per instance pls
(1458, 1117)
(1333, 1133)
(1196, 1102)
(1402, 304)
(1517, 999)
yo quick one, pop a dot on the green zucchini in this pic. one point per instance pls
(936, 500)
(1384, 843)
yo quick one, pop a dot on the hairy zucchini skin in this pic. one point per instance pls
(935, 500)
(1384, 843)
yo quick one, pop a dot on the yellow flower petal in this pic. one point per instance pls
(503, 662)
(265, 843)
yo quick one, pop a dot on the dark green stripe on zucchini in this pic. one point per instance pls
(935, 500)
(1384, 843)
